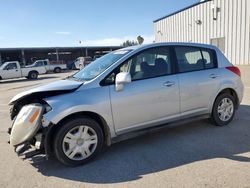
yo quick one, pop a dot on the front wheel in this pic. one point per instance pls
(78, 141)
(223, 109)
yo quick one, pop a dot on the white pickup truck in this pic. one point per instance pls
(49, 66)
(12, 69)
(82, 62)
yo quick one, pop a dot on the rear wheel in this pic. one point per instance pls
(223, 109)
(33, 75)
(78, 141)
(57, 70)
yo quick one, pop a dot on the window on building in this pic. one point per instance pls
(219, 42)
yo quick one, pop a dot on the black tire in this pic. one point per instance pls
(33, 75)
(57, 70)
(67, 127)
(215, 114)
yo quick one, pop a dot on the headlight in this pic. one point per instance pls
(26, 123)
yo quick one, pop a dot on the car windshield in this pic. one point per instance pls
(100, 65)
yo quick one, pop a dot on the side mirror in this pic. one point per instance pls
(122, 79)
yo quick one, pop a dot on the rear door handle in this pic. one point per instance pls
(168, 84)
(213, 76)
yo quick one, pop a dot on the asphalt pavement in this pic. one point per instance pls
(197, 154)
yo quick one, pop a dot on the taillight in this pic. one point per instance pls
(235, 70)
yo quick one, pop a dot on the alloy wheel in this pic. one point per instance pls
(225, 109)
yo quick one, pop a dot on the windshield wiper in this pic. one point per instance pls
(77, 79)
(73, 78)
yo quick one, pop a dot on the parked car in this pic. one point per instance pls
(13, 69)
(82, 62)
(122, 94)
(50, 67)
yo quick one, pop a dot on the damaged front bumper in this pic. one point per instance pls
(29, 130)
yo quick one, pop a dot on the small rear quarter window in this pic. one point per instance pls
(208, 57)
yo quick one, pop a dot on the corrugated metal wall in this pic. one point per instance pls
(232, 23)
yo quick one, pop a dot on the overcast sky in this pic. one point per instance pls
(35, 23)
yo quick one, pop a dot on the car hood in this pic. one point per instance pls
(51, 89)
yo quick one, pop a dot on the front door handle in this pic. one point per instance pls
(168, 84)
(213, 76)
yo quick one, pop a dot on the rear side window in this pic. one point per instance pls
(189, 59)
(194, 59)
(209, 58)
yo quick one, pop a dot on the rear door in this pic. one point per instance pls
(152, 96)
(198, 78)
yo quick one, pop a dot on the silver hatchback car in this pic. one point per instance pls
(122, 94)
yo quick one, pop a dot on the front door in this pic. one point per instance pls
(153, 95)
(11, 71)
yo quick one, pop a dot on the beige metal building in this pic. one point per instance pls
(224, 23)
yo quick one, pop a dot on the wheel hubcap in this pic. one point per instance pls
(80, 142)
(225, 109)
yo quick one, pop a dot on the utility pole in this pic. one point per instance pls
(57, 55)
(23, 57)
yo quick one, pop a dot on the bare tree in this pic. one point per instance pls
(129, 43)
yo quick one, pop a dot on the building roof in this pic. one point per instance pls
(66, 47)
(178, 11)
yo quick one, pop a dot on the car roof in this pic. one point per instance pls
(200, 45)
(11, 62)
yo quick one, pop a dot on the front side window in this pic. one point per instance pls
(11, 66)
(39, 64)
(150, 63)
